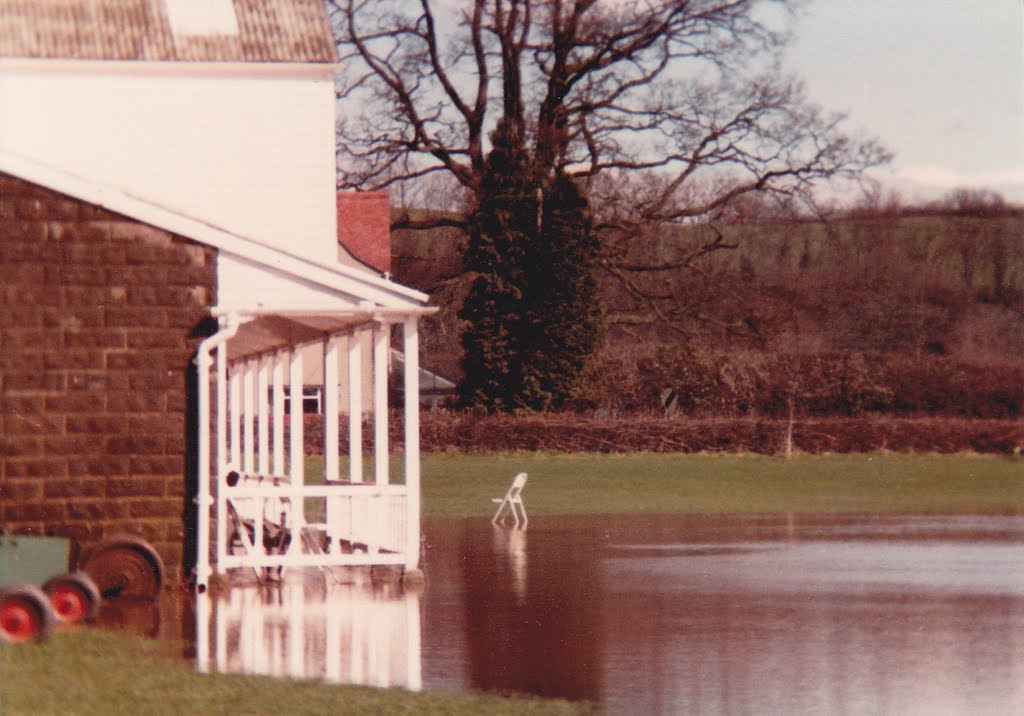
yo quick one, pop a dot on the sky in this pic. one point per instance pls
(940, 82)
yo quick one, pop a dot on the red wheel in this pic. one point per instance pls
(24, 614)
(74, 597)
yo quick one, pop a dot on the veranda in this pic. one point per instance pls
(265, 511)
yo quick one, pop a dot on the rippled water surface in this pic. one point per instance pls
(716, 615)
(663, 614)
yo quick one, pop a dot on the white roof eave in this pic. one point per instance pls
(340, 277)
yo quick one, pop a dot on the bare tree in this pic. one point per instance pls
(667, 112)
(687, 91)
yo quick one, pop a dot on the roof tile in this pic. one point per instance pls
(269, 31)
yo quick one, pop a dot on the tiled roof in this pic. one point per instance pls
(268, 31)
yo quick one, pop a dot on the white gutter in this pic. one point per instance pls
(204, 499)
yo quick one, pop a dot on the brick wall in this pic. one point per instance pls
(99, 318)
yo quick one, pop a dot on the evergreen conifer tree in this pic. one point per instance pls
(500, 231)
(533, 314)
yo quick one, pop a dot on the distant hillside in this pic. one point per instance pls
(905, 314)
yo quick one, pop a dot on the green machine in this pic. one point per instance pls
(28, 612)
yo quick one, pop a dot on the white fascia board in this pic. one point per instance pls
(339, 277)
(177, 68)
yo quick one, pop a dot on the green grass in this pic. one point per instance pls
(462, 485)
(457, 485)
(103, 673)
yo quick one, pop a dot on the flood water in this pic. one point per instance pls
(666, 614)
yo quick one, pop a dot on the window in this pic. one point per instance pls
(202, 17)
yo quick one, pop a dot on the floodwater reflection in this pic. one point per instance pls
(748, 615)
(660, 615)
(313, 627)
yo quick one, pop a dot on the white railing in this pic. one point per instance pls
(327, 525)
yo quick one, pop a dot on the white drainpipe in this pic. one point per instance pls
(204, 499)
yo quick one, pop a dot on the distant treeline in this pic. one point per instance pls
(604, 432)
(885, 309)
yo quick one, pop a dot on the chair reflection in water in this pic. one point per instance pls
(313, 629)
(511, 505)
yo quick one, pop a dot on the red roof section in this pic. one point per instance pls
(364, 227)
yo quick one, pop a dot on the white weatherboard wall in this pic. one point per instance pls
(248, 149)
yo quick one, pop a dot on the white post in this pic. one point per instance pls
(355, 408)
(296, 451)
(263, 415)
(235, 398)
(278, 378)
(330, 412)
(380, 402)
(248, 413)
(203, 496)
(222, 407)
(410, 335)
(222, 449)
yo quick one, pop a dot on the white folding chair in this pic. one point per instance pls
(513, 502)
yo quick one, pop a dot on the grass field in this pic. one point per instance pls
(101, 673)
(461, 485)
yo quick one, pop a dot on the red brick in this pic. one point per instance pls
(155, 507)
(85, 295)
(158, 380)
(142, 339)
(20, 446)
(21, 490)
(86, 380)
(135, 360)
(35, 380)
(40, 511)
(96, 510)
(142, 486)
(80, 402)
(24, 317)
(156, 424)
(26, 294)
(20, 342)
(84, 533)
(175, 443)
(33, 424)
(75, 318)
(76, 275)
(50, 467)
(105, 466)
(135, 317)
(91, 359)
(135, 445)
(176, 402)
(74, 487)
(162, 465)
(77, 446)
(134, 403)
(25, 404)
(96, 424)
(95, 338)
(176, 486)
